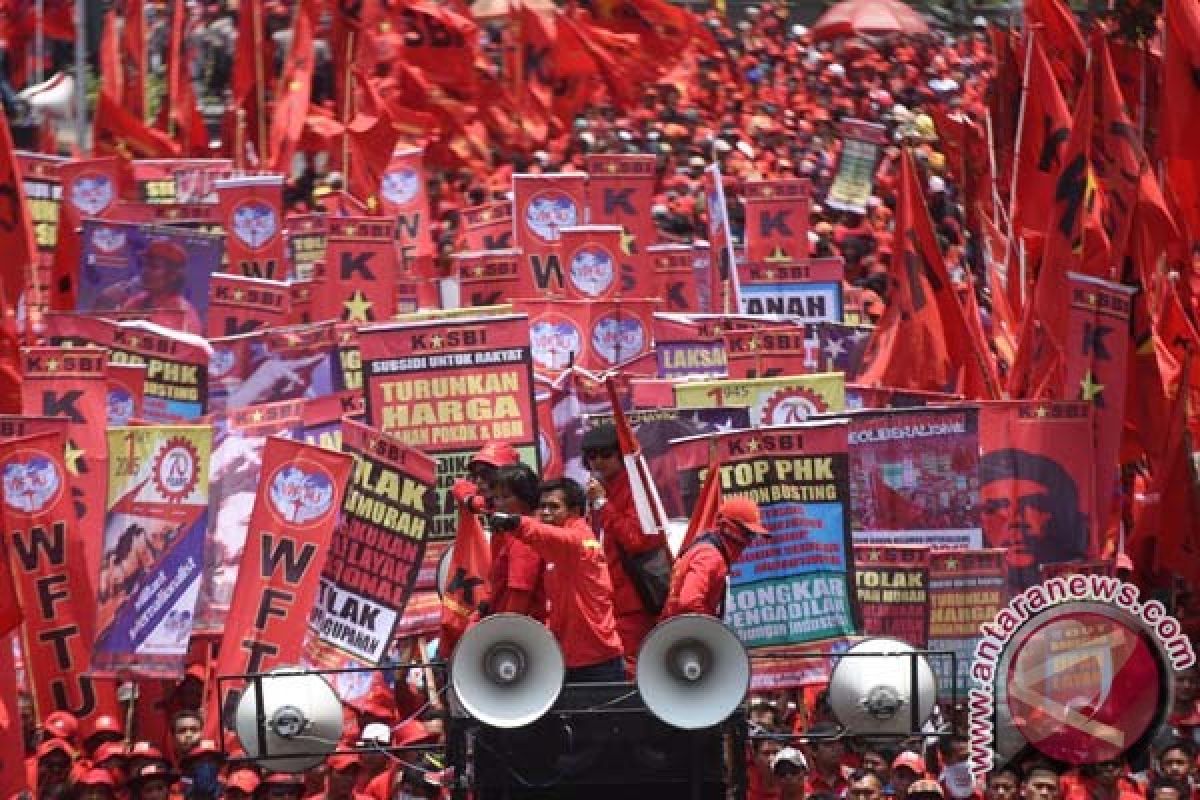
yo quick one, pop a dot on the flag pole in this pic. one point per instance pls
(260, 81)
(1016, 162)
(80, 76)
(39, 40)
(347, 102)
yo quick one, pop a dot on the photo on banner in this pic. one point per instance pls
(153, 555)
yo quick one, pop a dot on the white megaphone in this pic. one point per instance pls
(871, 690)
(507, 671)
(443, 571)
(692, 672)
(301, 716)
(54, 98)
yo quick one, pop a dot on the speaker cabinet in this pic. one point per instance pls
(598, 741)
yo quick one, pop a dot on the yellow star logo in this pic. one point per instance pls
(779, 255)
(1091, 299)
(1041, 411)
(134, 341)
(874, 555)
(294, 86)
(1088, 388)
(768, 192)
(951, 564)
(478, 271)
(716, 331)
(52, 365)
(628, 245)
(436, 341)
(485, 215)
(358, 308)
(73, 457)
(291, 340)
(348, 230)
(769, 274)
(384, 27)
(753, 445)
(239, 295)
(752, 345)
(257, 416)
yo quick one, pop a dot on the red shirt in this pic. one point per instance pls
(516, 567)
(698, 579)
(578, 591)
(622, 531)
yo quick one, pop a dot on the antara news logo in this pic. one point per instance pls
(1078, 667)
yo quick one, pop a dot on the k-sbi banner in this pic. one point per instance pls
(966, 589)
(448, 387)
(377, 551)
(892, 587)
(795, 586)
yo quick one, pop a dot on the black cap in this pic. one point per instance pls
(602, 437)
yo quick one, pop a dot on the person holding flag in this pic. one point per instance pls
(615, 518)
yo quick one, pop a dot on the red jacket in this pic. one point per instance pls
(698, 579)
(516, 578)
(623, 531)
(578, 591)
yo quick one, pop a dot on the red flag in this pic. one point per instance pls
(646, 501)
(117, 132)
(704, 513)
(291, 526)
(1180, 109)
(371, 140)
(1117, 158)
(466, 588)
(247, 127)
(1064, 43)
(619, 58)
(1044, 132)
(291, 106)
(664, 29)
(133, 58)
(18, 274)
(924, 340)
(112, 73)
(179, 116)
(440, 43)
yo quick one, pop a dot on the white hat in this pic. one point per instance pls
(790, 755)
(722, 146)
(752, 11)
(936, 184)
(376, 733)
(836, 69)
(745, 149)
(799, 30)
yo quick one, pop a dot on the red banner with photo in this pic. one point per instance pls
(71, 382)
(542, 205)
(251, 211)
(675, 277)
(299, 496)
(403, 198)
(53, 584)
(593, 262)
(595, 336)
(89, 189)
(275, 364)
(488, 227)
(777, 219)
(621, 192)
(892, 587)
(358, 282)
(1097, 355)
(126, 393)
(1035, 484)
(237, 304)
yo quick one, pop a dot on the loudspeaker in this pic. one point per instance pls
(301, 718)
(692, 671)
(507, 671)
(598, 742)
(54, 98)
(882, 686)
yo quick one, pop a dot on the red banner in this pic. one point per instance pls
(403, 197)
(593, 261)
(1035, 484)
(70, 382)
(621, 192)
(772, 351)
(43, 193)
(50, 573)
(542, 205)
(487, 277)
(488, 227)
(304, 239)
(126, 393)
(89, 189)
(251, 210)
(237, 304)
(675, 277)
(359, 280)
(1097, 355)
(777, 219)
(12, 734)
(275, 364)
(892, 587)
(291, 526)
(596, 336)
(301, 294)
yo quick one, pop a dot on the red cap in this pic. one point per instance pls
(246, 780)
(168, 251)
(145, 749)
(150, 772)
(743, 511)
(341, 762)
(498, 454)
(110, 750)
(106, 723)
(51, 745)
(196, 670)
(62, 725)
(411, 732)
(96, 777)
(284, 779)
(911, 760)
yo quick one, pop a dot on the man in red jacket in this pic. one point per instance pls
(578, 588)
(698, 578)
(621, 532)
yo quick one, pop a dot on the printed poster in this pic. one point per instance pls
(966, 589)
(892, 588)
(784, 400)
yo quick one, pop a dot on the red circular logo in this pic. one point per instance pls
(1083, 684)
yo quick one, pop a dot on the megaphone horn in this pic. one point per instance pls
(302, 718)
(692, 672)
(507, 671)
(871, 688)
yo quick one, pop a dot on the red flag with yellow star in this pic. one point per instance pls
(1097, 356)
(359, 279)
(295, 90)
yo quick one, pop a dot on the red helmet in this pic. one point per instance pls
(62, 725)
(106, 723)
